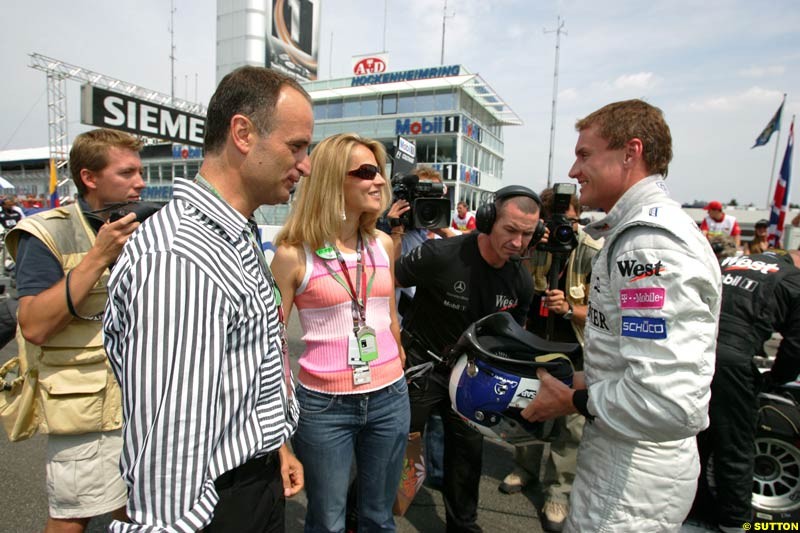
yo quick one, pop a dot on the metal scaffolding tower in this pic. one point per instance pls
(72, 72)
(57, 122)
(58, 72)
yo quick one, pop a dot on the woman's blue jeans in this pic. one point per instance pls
(332, 428)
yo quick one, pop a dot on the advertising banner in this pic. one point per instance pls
(293, 38)
(405, 156)
(405, 75)
(184, 151)
(107, 109)
(427, 125)
(370, 64)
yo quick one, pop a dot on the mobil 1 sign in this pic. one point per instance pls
(107, 109)
(427, 125)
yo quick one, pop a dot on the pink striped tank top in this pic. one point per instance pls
(325, 312)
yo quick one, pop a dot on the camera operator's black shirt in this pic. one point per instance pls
(456, 287)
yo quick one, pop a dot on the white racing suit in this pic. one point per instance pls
(649, 358)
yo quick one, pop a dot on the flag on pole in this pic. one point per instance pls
(781, 199)
(772, 126)
(53, 184)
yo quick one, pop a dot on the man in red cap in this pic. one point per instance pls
(718, 223)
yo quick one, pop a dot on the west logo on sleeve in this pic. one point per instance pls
(644, 327)
(745, 263)
(634, 270)
(642, 298)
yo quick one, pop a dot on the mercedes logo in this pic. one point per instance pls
(460, 287)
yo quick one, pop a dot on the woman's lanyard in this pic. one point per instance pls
(362, 346)
(359, 303)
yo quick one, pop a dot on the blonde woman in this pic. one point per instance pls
(337, 270)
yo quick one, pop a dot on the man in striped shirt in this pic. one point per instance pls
(194, 330)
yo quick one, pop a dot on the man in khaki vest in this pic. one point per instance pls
(63, 258)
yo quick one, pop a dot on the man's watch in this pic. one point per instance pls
(569, 313)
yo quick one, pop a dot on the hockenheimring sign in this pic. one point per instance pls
(107, 109)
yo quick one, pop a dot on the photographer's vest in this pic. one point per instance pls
(77, 390)
(579, 265)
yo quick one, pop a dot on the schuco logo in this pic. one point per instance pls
(644, 327)
(369, 65)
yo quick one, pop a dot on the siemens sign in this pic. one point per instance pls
(427, 126)
(107, 109)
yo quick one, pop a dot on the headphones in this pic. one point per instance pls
(486, 214)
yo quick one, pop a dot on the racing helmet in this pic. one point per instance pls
(494, 377)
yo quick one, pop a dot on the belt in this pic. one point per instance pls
(419, 351)
(420, 360)
(256, 467)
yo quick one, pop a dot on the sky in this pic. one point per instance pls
(717, 68)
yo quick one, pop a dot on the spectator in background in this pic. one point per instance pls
(31, 202)
(18, 207)
(10, 214)
(722, 246)
(718, 223)
(464, 221)
(760, 242)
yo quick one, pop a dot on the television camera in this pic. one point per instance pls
(429, 205)
(562, 239)
(430, 208)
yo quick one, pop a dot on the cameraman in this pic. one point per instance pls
(406, 239)
(568, 302)
(459, 281)
(464, 221)
(63, 258)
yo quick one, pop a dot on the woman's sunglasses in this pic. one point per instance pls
(365, 172)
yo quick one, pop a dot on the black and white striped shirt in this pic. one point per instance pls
(192, 333)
